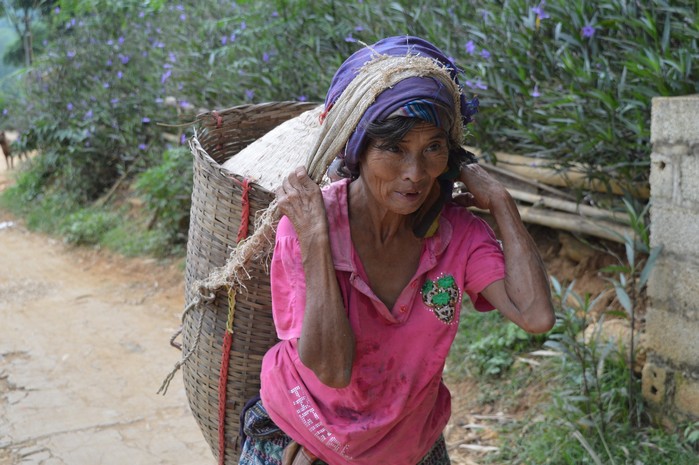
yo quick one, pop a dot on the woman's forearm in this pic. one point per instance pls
(526, 280)
(326, 345)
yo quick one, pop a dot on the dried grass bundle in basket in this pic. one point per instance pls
(218, 215)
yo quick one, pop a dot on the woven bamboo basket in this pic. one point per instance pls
(216, 216)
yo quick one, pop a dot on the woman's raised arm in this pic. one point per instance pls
(524, 296)
(326, 345)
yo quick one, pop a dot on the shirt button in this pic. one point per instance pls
(403, 308)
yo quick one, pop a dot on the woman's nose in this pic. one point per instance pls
(413, 167)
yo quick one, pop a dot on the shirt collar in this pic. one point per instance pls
(337, 210)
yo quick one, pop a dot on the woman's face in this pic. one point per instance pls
(400, 177)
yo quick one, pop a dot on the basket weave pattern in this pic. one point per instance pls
(216, 214)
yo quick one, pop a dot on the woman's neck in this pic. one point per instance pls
(368, 216)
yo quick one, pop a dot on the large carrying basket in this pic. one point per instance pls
(216, 215)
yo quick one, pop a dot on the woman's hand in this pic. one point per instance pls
(299, 198)
(482, 188)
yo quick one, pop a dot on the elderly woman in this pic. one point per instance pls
(368, 273)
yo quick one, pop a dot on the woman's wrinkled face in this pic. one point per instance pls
(400, 176)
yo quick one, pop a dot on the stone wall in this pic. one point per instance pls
(671, 372)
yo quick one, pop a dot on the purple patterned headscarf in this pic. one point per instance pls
(426, 90)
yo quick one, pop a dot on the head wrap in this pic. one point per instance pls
(432, 93)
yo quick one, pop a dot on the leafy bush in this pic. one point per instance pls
(571, 80)
(167, 190)
(88, 226)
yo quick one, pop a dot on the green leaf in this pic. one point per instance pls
(624, 299)
(648, 267)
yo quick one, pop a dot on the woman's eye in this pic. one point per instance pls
(436, 147)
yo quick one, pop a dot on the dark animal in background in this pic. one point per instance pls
(5, 146)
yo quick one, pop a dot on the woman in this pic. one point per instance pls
(368, 273)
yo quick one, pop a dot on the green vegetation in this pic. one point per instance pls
(594, 413)
(114, 82)
(568, 80)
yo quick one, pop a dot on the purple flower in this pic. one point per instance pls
(167, 66)
(70, 53)
(224, 40)
(350, 39)
(109, 62)
(180, 7)
(144, 53)
(476, 85)
(69, 107)
(302, 98)
(485, 54)
(275, 14)
(4, 112)
(145, 120)
(105, 85)
(165, 76)
(56, 10)
(110, 42)
(539, 10)
(358, 28)
(142, 146)
(470, 47)
(535, 93)
(588, 31)
(243, 26)
(183, 17)
(141, 14)
(185, 104)
(120, 40)
(265, 57)
(249, 94)
(88, 114)
(124, 59)
(232, 37)
(171, 57)
(120, 75)
(183, 138)
(114, 101)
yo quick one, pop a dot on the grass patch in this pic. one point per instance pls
(487, 345)
(572, 409)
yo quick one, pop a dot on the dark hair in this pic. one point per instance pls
(391, 131)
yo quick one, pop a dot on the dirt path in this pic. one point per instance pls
(83, 349)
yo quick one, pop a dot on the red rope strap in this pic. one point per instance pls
(228, 335)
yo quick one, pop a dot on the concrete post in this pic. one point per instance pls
(671, 373)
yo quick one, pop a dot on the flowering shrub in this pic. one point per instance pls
(566, 79)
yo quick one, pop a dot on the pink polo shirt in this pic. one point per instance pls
(396, 405)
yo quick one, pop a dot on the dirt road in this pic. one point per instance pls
(83, 350)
